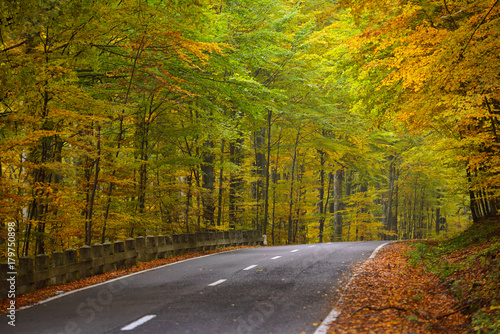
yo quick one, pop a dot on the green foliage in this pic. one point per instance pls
(468, 264)
(483, 322)
(431, 258)
(130, 118)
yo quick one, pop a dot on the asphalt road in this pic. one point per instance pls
(285, 289)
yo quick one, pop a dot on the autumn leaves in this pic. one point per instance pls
(122, 118)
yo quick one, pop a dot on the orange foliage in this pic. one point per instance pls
(387, 295)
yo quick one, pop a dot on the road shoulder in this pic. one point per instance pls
(387, 295)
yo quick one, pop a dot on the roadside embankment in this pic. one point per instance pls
(444, 286)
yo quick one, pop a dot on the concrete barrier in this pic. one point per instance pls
(72, 265)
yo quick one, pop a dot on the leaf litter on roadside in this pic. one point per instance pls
(388, 295)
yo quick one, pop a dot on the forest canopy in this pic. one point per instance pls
(310, 121)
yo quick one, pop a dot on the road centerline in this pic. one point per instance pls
(276, 257)
(218, 282)
(250, 267)
(138, 322)
(295, 250)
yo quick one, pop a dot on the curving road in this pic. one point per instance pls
(284, 289)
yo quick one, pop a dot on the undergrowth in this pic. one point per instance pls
(468, 265)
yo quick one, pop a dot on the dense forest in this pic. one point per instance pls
(311, 121)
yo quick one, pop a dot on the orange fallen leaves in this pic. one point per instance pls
(389, 296)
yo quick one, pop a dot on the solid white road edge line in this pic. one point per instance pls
(325, 325)
(250, 267)
(119, 278)
(217, 282)
(276, 257)
(138, 322)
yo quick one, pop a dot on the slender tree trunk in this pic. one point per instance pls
(292, 179)
(421, 215)
(188, 199)
(414, 214)
(364, 190)
(275, 179)
(396, 223)
(266, 173)
(208, 178)
(300, 193)
(474, 208)
(348, 192)
(337, 193)
(235, 181)
(260, 168)
(390, 196)
(321, 193)
(438, 216)
(88, 234)
(221, 192)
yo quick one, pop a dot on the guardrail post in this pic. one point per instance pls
(130, 246)
(119, 247)
(57, 260)
(97, 253)
(85, 254)
(140, 246)
(162, 246)
(25, 269)
(41, 264)
(70, 257)
(107, 251)
(151, 248)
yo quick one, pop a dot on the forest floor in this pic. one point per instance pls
(421, 286)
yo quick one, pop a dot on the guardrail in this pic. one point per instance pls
(71, 265)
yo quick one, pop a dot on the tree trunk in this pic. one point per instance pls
(339, 205)
(208, 178)
(390, 196)
(266, 174)
(292, 179)
(396, 209)
(221, 192)
(235, 182)
(189, 196)
(321, 194)
(260, 170)
(474, 207)
(438, 216)
(88, 234)
(275, 180)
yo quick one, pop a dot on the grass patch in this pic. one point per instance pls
(469, 266)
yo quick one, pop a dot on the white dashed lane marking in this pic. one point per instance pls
(217, 282)
(295, 250)
(276, 257)
(250, 267)
(138, 322)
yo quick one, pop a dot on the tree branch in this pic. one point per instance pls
(15, 46)
(477, 27)
(380, 309)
